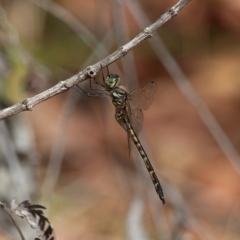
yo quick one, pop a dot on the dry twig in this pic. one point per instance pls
(91, 71)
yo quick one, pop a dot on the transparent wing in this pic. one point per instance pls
(129, 144)
(136, 119)
(124, 126)
(142, 97)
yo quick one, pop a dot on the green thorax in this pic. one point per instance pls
(118, 96)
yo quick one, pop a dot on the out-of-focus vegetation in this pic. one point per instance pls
(99, 186)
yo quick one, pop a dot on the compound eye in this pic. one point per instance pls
(112, 80)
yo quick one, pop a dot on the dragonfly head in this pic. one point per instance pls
(112, 80)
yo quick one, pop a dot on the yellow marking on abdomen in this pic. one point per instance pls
(146, 160)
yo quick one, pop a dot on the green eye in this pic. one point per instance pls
(112, 80)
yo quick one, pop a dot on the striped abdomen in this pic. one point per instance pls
(146, 160)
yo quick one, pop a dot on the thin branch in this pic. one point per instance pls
(3, 206)
(188, 91)
(98, 49)
(121, 31)
(91, 71)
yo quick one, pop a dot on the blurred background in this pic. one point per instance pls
(70, 155)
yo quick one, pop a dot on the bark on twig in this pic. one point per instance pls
(91, 71)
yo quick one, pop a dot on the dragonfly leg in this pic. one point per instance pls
(108, 70)
(96, 89)
(92, 94)
(103, 77)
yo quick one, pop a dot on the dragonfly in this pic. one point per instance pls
(129, 115)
